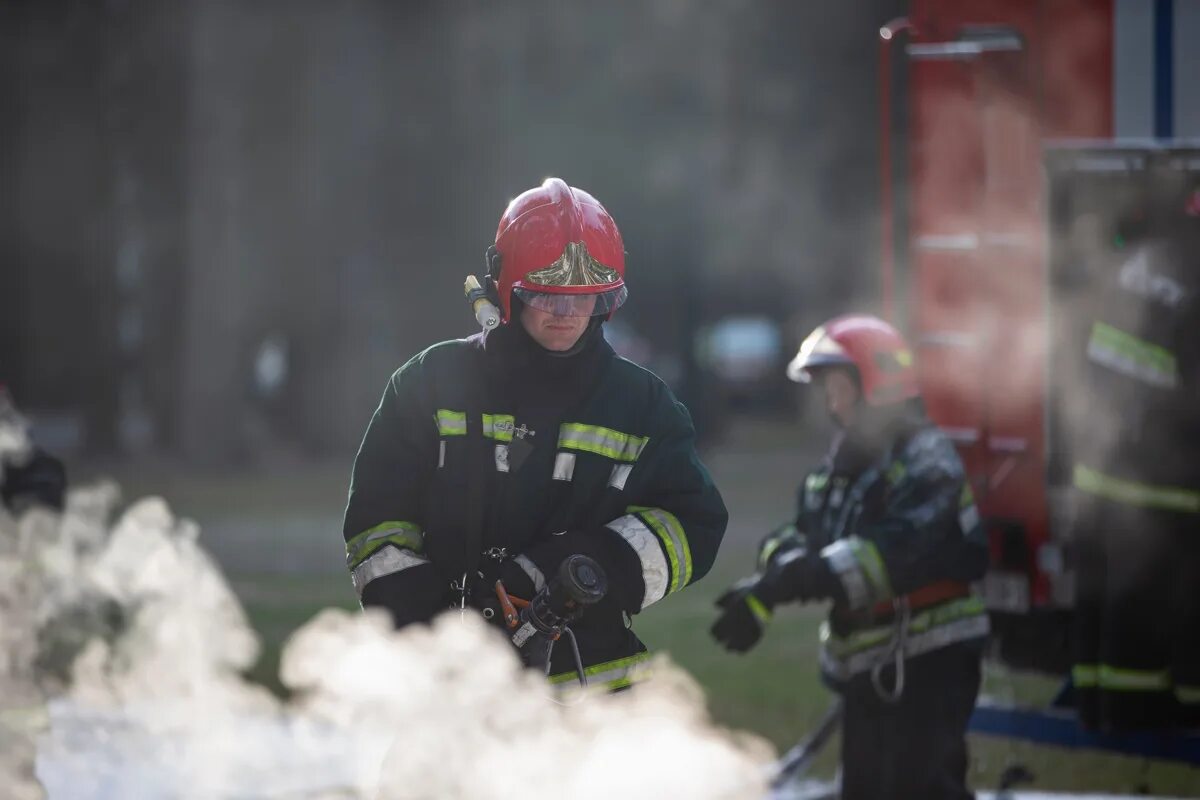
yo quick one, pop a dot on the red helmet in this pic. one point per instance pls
(874, 348)
(560, 252)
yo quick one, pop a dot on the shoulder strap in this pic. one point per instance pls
(477, 465)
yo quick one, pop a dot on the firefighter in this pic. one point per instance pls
(887, 529)
(1136, 474)
(498, 456)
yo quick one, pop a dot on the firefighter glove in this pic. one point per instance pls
(483, 589)
(744, 616)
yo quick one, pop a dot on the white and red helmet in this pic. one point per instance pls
(872, 347)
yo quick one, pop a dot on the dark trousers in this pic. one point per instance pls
(916, 747)
(1132, 591)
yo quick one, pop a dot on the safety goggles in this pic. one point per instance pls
(589, 304)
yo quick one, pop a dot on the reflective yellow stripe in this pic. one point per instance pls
(816, 482)
(398, 533)
(1085, 676)
(774, 543)
(761, 612)
(609, 674)
(896, 473)
(1130, 355)
(666, 526)
(602, 441)
(451, 423)
(842, 647)
(1169, 498)
(1119, 679)
(499, 426)
(868, 558)
(967, 498)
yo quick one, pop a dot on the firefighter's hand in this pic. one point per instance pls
(744, 616)
(483, 590)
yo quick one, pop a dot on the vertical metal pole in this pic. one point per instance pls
(887, 226)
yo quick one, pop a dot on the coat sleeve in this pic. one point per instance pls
(384, 525)
(928, 530)
(671, 528)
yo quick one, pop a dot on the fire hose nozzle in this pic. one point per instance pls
(486, 313)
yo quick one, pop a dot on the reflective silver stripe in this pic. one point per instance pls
(961, 630)
(604, 441)
(499, 427)
(968, 518)
(531, 569)
(386, 561)
(1132, 357)
(441, 453)
(655, 573)
(564, 466)
(502, 458)
(451, 423)
(842, 561)
(674, 542)
(620, 474)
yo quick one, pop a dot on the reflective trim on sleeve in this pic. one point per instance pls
(451, 423)
(499, 426)
(441, 453)
(968, 518)
(1168, 498)
(398, 533)
(501, 458)
(564, 466)
(775, 541)
(760, 611)
(1132, 357)
(387, 561)
(531, 569)
(619, 475)
(674, 542)
(610, 675)
(603, 441)
(655, 572)
(843, 564)
(860, 568)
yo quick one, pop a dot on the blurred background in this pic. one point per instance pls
(225, 223)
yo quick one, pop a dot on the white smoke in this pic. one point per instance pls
(123, 653)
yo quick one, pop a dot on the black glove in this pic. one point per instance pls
(483, 589)
(748, 605)
(744, 616)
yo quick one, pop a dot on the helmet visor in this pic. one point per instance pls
(591, 304)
